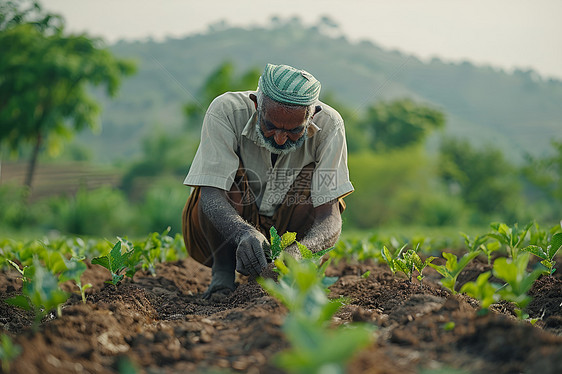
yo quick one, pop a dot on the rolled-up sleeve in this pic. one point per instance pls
(331, 175)
(216, 162)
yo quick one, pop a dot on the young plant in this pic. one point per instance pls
(518, 281)
(512, 237)
(40, 292)
(405, 263)
(421, 265)
(115, 262)
(74, 270)
(302, 288)
(8, 352)
(452, 268)
(279, 243)
(390, 258)
(482, 290)
(547, 252)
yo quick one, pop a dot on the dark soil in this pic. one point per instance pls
(162, 325)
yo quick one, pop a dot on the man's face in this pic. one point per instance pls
(283, 130)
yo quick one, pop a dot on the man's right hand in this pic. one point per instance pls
(250, 254)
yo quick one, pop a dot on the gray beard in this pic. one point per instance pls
(271, 146)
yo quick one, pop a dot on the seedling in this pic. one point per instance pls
(279, 243)
(115, 262)
(482, 290)
(548, 252)
(8, 352)
(512, 237)
(421, 265)
(390, 258)
(41, 293)
(519, 282)
(452, 268)
(74, 270)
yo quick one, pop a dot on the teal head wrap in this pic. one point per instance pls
(288, 85)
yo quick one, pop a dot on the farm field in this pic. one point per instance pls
(158, 322)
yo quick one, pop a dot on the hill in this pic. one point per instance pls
(519, 112)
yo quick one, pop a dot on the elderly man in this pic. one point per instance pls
(274, 157)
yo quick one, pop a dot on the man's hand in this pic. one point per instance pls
(250, 254)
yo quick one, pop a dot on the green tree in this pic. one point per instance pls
(482, 177)
(44, 76)
(398, 124)
(221, 80)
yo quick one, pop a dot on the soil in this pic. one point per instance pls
(161, 324)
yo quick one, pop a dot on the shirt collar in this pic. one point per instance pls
(250, 129)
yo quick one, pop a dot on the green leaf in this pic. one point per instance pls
(275, 241)
(537, 251)
(555, 245)
(19, 301)
(305, 252)
(287, 239)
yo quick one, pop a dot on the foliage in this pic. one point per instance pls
(482, 290)
(519, 282)
(547, 253)
(8, 352)
(43, 83)
(279, 243)
(74, 270)
(115, 262)
(512, 237)
(452, 268)
(301, 288)
(399, 124)
(482, 177)
(40, 292)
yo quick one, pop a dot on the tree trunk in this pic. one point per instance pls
(33, 163)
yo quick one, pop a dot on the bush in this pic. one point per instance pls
(163, 205)
(103, 211)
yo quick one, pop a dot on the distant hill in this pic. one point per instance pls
(519, 112)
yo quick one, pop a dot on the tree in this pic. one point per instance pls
(44, 76)
(398, 124)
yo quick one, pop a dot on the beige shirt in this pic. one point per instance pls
(229, 136)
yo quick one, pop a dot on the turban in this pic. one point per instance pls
(288, 85)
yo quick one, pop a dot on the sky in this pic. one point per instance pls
(507, 34)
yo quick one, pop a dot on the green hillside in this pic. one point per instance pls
(519, 112)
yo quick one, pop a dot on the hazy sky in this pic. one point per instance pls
(502, 33)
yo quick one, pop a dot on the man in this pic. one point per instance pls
(274, 157)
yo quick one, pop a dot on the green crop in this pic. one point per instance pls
(40, 292)
(8, 352)
(74, 270)
(547, 251)
(279, 243)
(482, 290)
(406, 262)
(512, 237)
(390, 257)
(452, 268)
(115, 262)
(302, 289)
(519, 282)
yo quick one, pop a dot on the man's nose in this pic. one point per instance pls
(280, 137)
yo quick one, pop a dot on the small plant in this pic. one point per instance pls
(519, 282)
(421, 265)
(452, 268)
(482, 290)
(74, 270)
(40, 292)
(302, 289)
(8, 352)
(512, 237)
(115, 262)
(390, 258)
(547, 252)
(279, 243)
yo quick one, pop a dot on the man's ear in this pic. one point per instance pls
(254, 98)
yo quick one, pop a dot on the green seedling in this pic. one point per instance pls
(41, 293)
(115, 262)
(512, 237)
(518, 281)
(279, 243)
(8, 352)
(302, 289)
(366, 274)
(421, 265)
(547, 252)
(482, 290)
(405, 263)
(390, 258)
(490, 248)
(74, 270)
(452, 268)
